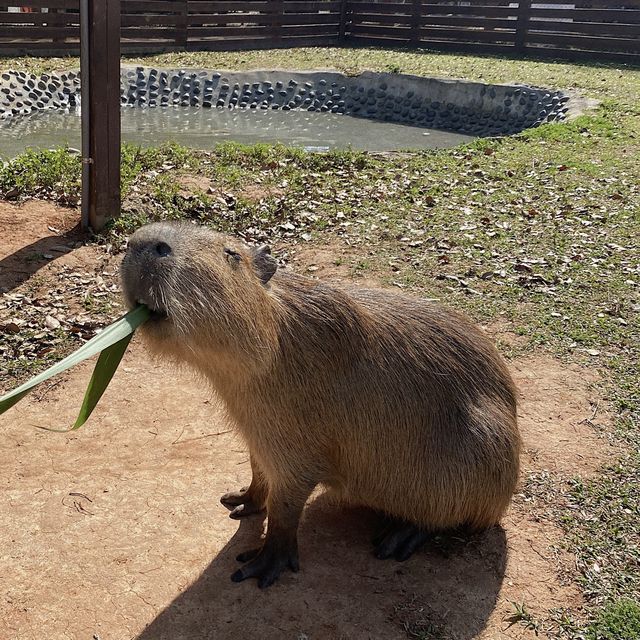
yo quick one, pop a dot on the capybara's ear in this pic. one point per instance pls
(265, 264)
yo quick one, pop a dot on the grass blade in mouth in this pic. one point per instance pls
(112, 342)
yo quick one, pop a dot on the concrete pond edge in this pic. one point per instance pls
(460, 106)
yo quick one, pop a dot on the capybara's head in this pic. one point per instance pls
(202, 288)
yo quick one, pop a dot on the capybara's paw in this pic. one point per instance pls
(241, 504)
(399, 540)
(234, 498)
(266, 565)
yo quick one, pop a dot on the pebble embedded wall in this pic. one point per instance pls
(455, 105)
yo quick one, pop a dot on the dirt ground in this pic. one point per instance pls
(116, 532)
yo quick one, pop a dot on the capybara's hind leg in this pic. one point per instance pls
(248, 500)
(399, 539)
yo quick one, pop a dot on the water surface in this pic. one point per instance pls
(205, 128)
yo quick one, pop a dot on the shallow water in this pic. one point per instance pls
(205, 128)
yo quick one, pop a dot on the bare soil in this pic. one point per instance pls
(116, 532)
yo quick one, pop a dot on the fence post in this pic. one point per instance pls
(182, 35)
(522, 24)
(342, 30)
(101, 112)
(416, 14)
(278, 19)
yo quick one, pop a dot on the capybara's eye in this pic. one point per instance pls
(233, 257)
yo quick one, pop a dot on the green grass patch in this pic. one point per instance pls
(618, 621)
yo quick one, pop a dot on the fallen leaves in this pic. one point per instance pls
(44, 321)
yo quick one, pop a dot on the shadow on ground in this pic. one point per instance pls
(17, 267)
(449, 589)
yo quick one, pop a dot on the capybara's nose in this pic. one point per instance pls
(151, 248)
(162, 249)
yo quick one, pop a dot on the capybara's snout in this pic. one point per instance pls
(147, 263)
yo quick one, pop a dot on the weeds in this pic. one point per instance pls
(523, 617)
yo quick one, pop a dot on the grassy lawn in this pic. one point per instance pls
(539, 230)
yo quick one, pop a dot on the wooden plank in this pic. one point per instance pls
(386, 31)
(465, 21)
(374, 7)
(477, 48)
(486, 11)
(43, 48)
(248, 44)
(26, 31)
(588, 28)
(264, 18)
(383, 19)
(49, 19)
(626, 45)
(605, 4)
(467, 35)
(150, 33)
(311, 30)
(626, 16)
(197, 6)
(229, 18)
(310, 18)
(50, 4)
(148, 20)
(294, 5)
(249, 31)
(151, 6)
(213, 8)
(432, 9)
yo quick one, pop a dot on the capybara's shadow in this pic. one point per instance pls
(448, 589)
(19, 266)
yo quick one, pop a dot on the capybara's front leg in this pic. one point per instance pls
(248, 500)
(280, 548)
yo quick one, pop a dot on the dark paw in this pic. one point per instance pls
(399, 540)
(266, 564)
(240, 504)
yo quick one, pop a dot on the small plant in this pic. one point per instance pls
(523, 617)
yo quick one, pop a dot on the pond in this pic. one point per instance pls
(203, 128)
(314, 110)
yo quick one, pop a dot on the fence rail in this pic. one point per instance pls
(599, 29)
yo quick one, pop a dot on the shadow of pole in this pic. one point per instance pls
(342, 591)
(17, 267)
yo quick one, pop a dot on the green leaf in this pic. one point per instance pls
(112, 342)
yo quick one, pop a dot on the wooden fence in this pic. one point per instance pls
(556, 28)
(597, 29)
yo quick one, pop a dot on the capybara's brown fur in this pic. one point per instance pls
(392, 401)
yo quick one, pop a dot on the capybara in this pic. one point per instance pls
(390, 401)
